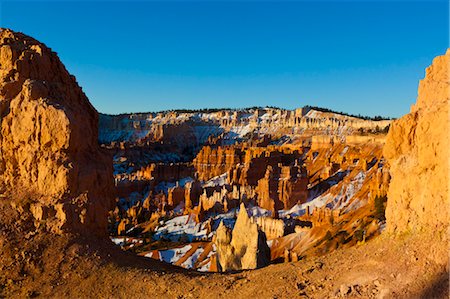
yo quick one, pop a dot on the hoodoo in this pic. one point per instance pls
(244, 248)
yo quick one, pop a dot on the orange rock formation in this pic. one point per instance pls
(417, 148)
(49, 139)
(244, 248)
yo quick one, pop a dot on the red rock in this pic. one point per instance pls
(49, 139)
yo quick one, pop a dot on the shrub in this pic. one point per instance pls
(359, 235)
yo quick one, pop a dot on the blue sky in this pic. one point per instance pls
(358, 57)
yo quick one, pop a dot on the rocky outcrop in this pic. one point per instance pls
(282, 187)
(243, 248)
(417, 148)
(48, 140)
(150, 176)
(267, 191)
(175, 195)
(179, 127)
(163, 172)
(273, 228)
(192, 193)
(211, 162)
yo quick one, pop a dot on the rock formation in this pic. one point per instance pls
(48, 140)
(211, 162)
(180, 128)
(244, 248)
(417, 148)
(282, 187)
(273, 228)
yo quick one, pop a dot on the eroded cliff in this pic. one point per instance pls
(50, 158)
(417, 148)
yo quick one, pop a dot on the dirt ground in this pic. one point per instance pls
(35, 263)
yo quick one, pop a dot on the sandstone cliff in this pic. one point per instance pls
(417, 148)
(48, 140)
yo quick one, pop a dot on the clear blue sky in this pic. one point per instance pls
(357, 57)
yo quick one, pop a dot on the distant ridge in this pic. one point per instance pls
(214, 110)
(376, 117)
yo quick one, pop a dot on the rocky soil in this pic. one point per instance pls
(45, 265)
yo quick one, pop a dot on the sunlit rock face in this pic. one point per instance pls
(243, 248)
(49, 140)
(417, 148)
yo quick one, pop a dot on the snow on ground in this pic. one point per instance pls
(314, 114)
(171, 256)
(300, 209)
(339, 201)
(164, 186)
(118, 240)
(258, 212)
(202, 133)
(205, 267)
(107, 136)
(179, 228)
(121, 241)
(228, 219)
(241, 131)
(185, 228)
(190, 261)
(216, 181)
(349, 190)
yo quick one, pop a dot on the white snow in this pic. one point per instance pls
(258, 212)
(173, 255)
(300, 209)
(190, 261)
(241, 131)
(118, 240)
(216, 181)
(349, 190)
(340, 201)
(205, 267)
(181, 227)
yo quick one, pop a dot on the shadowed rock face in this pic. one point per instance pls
(48, 139)
(417, 148)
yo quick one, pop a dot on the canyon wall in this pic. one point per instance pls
(176, 129)
(50, 158)
(417, 148)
